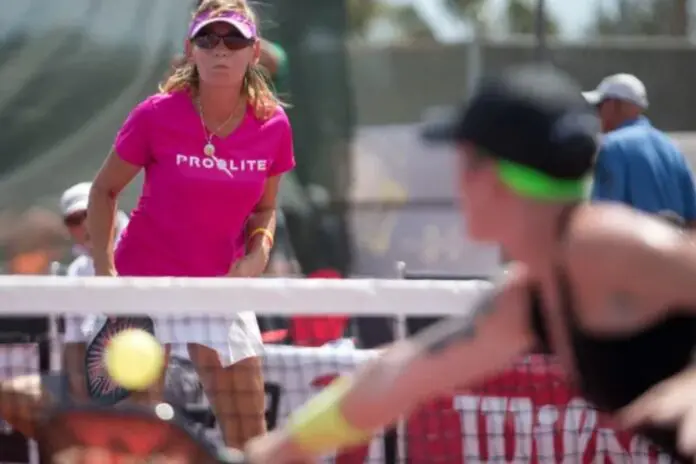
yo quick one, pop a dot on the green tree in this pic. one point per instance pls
(410, 24)
(361, 13)
(681, 18)
(644, 17)
(467, 9)
(521, 16)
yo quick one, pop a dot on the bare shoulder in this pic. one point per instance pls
(614, 236)
(613, 252)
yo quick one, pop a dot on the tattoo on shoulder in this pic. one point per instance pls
(461, 328)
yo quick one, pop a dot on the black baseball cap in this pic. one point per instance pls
(532, 117)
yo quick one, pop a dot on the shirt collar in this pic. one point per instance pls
(639, 121)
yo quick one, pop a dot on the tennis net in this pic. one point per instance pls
(528, 413)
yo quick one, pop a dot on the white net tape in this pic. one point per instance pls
(124, 296)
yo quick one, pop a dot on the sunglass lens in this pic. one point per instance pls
(206, 41)
(235, 42)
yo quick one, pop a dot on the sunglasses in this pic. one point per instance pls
(74, 220)
(209, 41)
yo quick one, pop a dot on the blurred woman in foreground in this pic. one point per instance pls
(606, 289)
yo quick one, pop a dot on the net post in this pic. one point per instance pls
(55, 340)
(400, 268)
(55, 344)
(401, 332)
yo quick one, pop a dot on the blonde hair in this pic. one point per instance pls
(256, 88)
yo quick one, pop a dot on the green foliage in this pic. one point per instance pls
(468, 9)
(643, 17)
(361, 13)
(409, 22)
(522, 18)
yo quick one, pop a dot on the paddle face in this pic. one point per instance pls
(102, 435)
(100, 386)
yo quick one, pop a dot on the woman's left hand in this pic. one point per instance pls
(251, 265)
(670, 403)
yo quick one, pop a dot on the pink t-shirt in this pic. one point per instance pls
(191, 215)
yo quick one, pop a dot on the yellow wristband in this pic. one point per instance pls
(266, 233)
(319, 426)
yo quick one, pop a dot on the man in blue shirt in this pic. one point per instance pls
(638, 164)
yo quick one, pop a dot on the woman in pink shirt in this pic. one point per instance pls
(214, 144)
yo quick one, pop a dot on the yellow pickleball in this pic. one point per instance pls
(134, 359)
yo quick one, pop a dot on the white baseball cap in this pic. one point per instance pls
(626, 87)
(75, 199)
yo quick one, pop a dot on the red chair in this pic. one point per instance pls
(311, 330)
(318, 330)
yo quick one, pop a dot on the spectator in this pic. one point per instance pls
(275, 61)
(34, 241)
(73, 206)
(638, 164)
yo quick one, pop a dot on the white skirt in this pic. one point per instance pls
(235, 337)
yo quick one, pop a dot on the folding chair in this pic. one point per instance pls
(315, 330)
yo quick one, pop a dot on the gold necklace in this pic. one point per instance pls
(209, 148)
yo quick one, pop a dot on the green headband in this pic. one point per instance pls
(531, 183)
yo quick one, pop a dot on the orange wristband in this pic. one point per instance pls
(263, 231)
